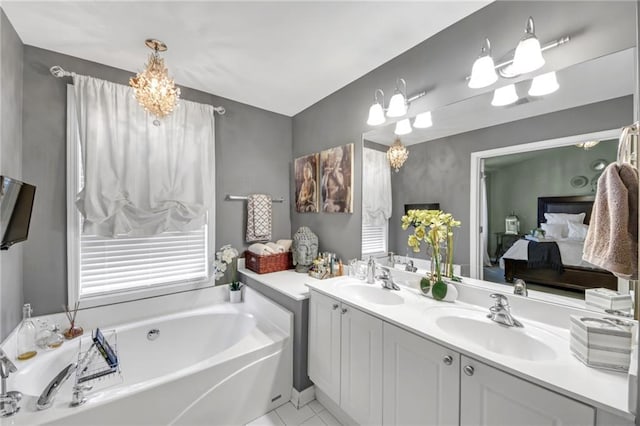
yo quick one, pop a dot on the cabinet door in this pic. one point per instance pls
(421, 380)
(361, 378)
(491, 397)
(324, 344)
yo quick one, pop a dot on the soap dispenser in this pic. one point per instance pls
(26, 339)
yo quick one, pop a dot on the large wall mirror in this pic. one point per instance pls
(487, 165)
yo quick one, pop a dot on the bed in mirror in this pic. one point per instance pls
(540, 147)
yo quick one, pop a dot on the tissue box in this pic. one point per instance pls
(601, 343)
(607, 299)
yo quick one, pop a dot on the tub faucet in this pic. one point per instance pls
(387, 279)
(49, 393)
(9, 401)
(501, 312)
(409, 266)
(371, 270)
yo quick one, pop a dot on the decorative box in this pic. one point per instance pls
(601, 342)
(607, 299)
(264, 264)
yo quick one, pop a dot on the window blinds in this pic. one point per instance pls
(374, 239)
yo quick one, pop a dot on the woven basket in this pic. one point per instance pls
(267, 263)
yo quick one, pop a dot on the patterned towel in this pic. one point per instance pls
(258, 218)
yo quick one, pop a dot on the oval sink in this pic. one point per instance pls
(527, 343)
(373, 293)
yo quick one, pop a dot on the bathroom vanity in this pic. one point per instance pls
(396, 357)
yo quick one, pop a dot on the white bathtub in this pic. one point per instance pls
(222, 364)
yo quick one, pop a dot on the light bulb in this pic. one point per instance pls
(376, 115)
(504, 96)
(544, 84)
(423, 120)
(403, 127)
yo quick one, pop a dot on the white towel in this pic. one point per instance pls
(612, 238)
(285, 243)
(261, 249)
(258, 218)
(276, 247)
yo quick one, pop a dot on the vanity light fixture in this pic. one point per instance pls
(544, 84)
(397, 154)
(528, 55)
(504, 95)
(483, 71)
(398, 104)
(154, 90)
(403, 127)
(423, 120)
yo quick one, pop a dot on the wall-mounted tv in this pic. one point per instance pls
(16, 203)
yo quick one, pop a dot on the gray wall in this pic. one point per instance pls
(444, 164)
(440, 65)
(253, 154)
(516, 187)
(11, 51)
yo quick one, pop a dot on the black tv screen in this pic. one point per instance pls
(16, 203)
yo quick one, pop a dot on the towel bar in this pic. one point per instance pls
(242, 198)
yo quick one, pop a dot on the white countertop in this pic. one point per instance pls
(565, 374)
(289, 282)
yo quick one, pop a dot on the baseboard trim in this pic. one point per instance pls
(300, 399)
(334, 408)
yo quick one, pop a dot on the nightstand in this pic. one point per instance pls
(504, 242)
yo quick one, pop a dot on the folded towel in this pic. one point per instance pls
(276, 247)
(260, 249)
(612, 238)
(285, 243)
(258, 218)
(544, 255)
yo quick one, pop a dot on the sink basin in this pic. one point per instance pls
(373, 293)
(527, 343)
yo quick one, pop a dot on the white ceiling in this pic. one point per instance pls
(597, 80)
(280, 56)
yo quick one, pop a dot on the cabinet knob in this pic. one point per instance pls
(344, 311)
(448, 360)
(335, 306)
(468, 370)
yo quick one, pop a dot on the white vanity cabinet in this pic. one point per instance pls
(491, 397)
(345, 357)
(421, 380)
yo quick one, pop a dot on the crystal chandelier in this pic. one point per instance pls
(587, 145)
(154, 90)
(397, 154)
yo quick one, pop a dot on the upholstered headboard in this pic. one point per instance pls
(572, 204)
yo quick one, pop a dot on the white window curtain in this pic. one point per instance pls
(376, 188)
(141, 179)
(486, 260)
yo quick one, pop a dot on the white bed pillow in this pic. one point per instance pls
(553, 230)
(577, 231)
(564, 219)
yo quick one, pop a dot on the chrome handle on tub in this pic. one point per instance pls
(335, 306)
(448, 360)
(344, 311)
(468, 370)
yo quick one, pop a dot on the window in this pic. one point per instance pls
(105, 270)
(374, 239)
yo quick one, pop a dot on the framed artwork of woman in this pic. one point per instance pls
(337, 179)
(306, 177)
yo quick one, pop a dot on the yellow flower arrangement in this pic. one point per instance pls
(434, 227)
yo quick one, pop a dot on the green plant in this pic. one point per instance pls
(227, 257)
(235, 286)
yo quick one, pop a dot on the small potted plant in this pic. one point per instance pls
(227, 258)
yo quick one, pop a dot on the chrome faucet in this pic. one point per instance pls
(501, 312)
(9, 401)
(387, 279)
(409, 266)
(371, 270)
(520, 288)
(49, 393)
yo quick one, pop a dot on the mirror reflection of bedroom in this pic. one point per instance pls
(538, 210)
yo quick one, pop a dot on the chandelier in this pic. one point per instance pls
(154, 90)
(397, 154)
(587, 145)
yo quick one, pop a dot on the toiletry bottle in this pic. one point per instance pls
(56, 339)
(26, 335)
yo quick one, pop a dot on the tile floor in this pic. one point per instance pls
(312, 414)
